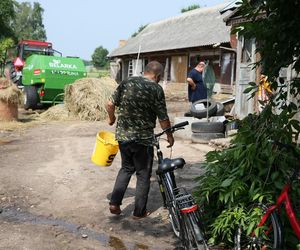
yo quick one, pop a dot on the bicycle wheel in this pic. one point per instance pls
(269, 236)
(174, 219)
(193, 236)
(169, 186)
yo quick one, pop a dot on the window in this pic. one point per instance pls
(246, 51)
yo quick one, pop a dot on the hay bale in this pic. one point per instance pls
(86, 97)
(9, 93)
(9, 99)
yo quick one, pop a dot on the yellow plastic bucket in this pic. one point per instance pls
(105, 150)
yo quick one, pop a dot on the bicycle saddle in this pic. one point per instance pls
(170, 165)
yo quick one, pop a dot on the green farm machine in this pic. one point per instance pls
(42, 72)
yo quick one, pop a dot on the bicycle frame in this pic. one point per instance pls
(284, 198)
(183, 211)
(168, 178)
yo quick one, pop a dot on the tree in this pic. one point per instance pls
(99, 57)
(191, 7)
(29, 22)
(252, 169)
(5, 43)
(39, 32)
(87, 63)
(139, 30)
(7, 14)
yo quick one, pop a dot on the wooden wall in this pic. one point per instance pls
(179, 68)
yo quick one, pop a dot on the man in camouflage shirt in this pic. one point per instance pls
(139, 101)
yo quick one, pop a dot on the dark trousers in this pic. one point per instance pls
(135, 158)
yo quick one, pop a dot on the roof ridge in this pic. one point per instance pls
(190, 13)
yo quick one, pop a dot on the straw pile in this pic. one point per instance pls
(57, 113)
(9, 93)
(9, 100)
(85, 99)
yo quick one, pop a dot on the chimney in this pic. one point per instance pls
(122, 43)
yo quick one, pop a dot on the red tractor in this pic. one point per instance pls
(16, 57)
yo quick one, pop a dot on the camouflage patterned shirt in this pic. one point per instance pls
(139, 102)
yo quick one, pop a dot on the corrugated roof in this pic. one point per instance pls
(199, 27)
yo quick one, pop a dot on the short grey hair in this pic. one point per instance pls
(155, 68)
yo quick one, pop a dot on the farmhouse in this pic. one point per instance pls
(179, 43)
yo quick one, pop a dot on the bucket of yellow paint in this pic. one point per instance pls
(105, 150)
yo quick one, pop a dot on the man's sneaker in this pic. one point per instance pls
(115, 209)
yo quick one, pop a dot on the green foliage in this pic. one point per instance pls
(99, 57)
(96, 73)
(103, 73)
(7, 14)
(252, 170)
(191, 7)
(87, 62)
(4, 45)
(28, 23)
(229, 220)
(139, 30)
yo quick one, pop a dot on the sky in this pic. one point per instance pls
(78, 27)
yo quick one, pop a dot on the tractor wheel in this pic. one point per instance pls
(13, 75)
(31, 98)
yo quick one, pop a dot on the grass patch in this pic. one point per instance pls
(98, 73)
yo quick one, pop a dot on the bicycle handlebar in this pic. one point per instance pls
(179, 125)
(173, 128)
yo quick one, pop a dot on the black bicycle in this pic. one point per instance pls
(184, 213)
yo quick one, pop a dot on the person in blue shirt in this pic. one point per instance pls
(196, 87)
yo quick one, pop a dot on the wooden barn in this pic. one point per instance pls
(179, 43)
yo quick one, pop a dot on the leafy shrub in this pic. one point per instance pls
(252, 170)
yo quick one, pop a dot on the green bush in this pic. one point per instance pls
(252, 170)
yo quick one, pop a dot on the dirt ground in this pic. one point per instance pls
(53, 197)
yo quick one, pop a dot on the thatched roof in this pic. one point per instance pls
(199, 27)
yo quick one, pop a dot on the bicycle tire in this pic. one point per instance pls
(194, 238)
(168, 186)
(271, 240)
(175, 221)
(210, 108)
